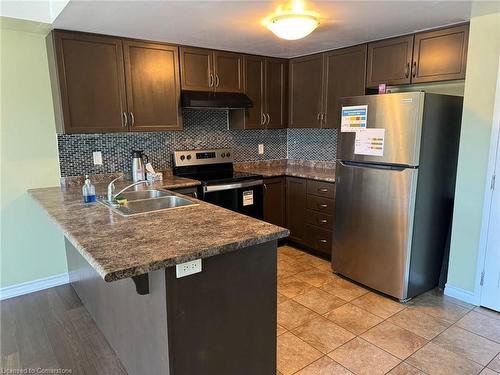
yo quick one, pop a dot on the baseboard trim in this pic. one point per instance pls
(33, 286)
(461, 294)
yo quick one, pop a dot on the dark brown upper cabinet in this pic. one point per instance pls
(153, 86)
(207, 70)
(344, 75)
(88, 83)
(440, 55)
(276, 93)
(306, 91)
(266, 85)
(389, 61)
(103, 84)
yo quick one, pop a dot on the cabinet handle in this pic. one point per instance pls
(323, 190)
(195, 194)
(211, 80)
(323, 241)
(414, 70)
(263, 118)
(323, 205)
(124, 120)
(268, 118)
(132, 119)
(265, 187)
(323, 221)
(216, 80)
(407, 70)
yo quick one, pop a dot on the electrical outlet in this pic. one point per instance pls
(97, 155)
(188, 268)
(261, 149)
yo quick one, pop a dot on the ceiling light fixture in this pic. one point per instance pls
(292, 21)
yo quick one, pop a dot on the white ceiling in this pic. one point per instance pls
(235, 25)
(44, 11)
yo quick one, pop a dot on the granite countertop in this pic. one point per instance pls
(321, 171)
(121, 247)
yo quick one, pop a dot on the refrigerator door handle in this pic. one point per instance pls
(391, 167)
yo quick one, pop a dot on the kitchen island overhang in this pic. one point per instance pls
(219, 321)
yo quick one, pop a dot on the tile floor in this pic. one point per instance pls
(328, 325)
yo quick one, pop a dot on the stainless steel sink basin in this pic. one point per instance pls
(144, 194)
(139, 202)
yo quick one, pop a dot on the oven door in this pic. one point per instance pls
(245, 197)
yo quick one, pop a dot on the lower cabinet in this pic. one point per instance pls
(303, 206)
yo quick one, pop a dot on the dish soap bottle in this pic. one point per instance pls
(88, 191)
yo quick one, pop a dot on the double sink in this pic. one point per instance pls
(143, 201)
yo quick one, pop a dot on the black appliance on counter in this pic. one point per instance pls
(220, 184)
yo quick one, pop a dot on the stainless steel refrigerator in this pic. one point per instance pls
(395, 182)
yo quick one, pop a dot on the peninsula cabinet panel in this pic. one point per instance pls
(153, 86)
(196, 69)
(306, 82)
(389, 61)
(90, 73)
(345, 75)
(276, 93)
(274, 201)
(296, 208)
(440, 55)
(254, 88)
(228, 72)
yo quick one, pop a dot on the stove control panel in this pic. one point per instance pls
(202, 157)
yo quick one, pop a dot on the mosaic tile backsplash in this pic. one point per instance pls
(202, 129)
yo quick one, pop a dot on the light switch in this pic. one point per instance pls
(97, 155)
(261, 149)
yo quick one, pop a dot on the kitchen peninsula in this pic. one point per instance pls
(221, 320)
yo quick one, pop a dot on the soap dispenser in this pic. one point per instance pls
(88, 191)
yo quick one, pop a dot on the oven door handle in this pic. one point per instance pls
(237, 185)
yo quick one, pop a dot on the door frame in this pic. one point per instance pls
(494, 154)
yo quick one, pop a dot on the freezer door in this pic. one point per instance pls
(373, 220)
(400, 115)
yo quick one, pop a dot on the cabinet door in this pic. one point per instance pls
(389, 61)
(345, 72)
(440, 55)
(92, 82)
(276, 93)
(228, 72)
(274, 201)
(153, 86)
(196, 69)
(254, 88)
(306, 80)
(296, 208)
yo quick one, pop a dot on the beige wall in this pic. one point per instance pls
(479, 96)
(31, 246)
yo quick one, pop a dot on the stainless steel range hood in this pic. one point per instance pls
(215, 100)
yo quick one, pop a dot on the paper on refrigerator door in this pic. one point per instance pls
(354, 118)
(369, 142)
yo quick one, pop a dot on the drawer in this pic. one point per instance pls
(321, 189)
(320, 204)
(319, 239)
(319, 219)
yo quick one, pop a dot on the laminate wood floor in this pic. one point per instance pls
(51, 329)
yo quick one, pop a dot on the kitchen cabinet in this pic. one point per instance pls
(103, 84)
(440, 55)
(153, 86)
(88, 82)
(318, 81)
(266, 85)
(296, 208)
(344, 75)
(274, 201)
(430, 56)
(207, 70)
(389, 61)
(306, 91)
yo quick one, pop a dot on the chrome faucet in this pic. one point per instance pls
(111, 188)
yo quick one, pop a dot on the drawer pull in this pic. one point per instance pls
(324, 221)
(323, 241)
(322, 205)
(323, 190)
